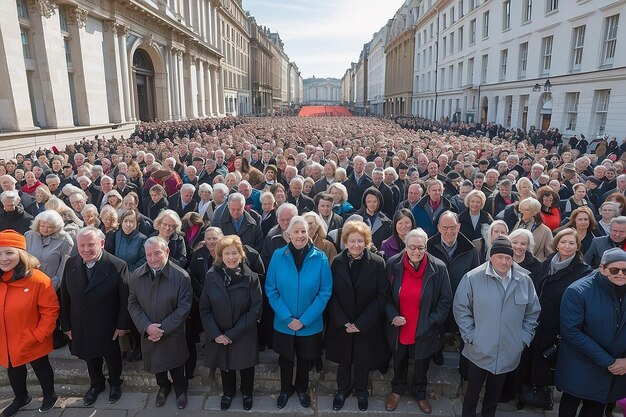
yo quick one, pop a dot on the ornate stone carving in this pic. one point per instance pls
(122, 30)
(45, 8)
(150, 40)
(109, 26)
(77, 16)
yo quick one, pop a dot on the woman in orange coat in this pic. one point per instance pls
(28, 312)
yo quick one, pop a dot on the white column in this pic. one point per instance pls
(220, 91)
(112, 73)
(201, 91)
(201, 30)
(122, 31)
(181, 84)
(49, 51)
(215, 95)
(208, 94)
(175, 84)
(191, 87)
(16, 111)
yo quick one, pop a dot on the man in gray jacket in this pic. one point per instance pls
(496, 308)
(159, 304)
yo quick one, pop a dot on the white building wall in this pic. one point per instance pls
(376, 73)
(503, 98)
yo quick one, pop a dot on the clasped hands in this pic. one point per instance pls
(398, 321)
(223, 340)
(154, 332)
(618, 367)
(351, 328)
(295, 325)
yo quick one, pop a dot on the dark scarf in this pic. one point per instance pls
(299, 254)
(231, 275)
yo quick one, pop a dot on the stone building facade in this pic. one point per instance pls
(322, 91)
(261, 68)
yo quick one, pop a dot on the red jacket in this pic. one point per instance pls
(28, 313)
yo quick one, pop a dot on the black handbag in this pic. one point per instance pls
(536, 396)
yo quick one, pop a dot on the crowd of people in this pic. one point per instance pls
(367, 242)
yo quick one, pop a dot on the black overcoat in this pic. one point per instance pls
(92, 310)
(232, 311)
(363, 304)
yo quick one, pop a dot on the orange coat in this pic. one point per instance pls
(29, 308)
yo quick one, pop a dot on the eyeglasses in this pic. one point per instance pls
(615, 271)
(448, 228)
(414, 248)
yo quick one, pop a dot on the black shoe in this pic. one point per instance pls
(15, 406)
(362, 401)
(438, 358)
(115, 393)
(136, 356)
(225, 402)
(248, 400)
(305, 400)
(283, 397)
(181, 401)
(161, 396)
(91, 396)
(340, 399)
(48, 403)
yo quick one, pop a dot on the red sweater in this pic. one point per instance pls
(553, 221)
(410, 297)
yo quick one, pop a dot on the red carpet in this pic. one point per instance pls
(321, 111)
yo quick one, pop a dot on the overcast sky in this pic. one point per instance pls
(323, 36)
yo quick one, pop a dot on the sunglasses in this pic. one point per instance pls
(615, 271)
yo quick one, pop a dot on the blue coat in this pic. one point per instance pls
(593, 332)
(424, 216)
(129, 248)
(301, 295)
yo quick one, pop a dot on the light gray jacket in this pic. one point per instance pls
(52, 252)
(496, 324)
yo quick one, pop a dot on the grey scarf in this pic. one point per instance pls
(556, 264)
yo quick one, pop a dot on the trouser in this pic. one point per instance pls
(286, 374)
(475, 379)
(192, 359)
(179, 379)
(43, 370)
(229, 381)
(569, 406)
(400, 368)
(344, 376)
(114, 365)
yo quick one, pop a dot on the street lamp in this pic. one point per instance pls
(547, 86)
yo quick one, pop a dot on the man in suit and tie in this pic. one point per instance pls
(94, 300)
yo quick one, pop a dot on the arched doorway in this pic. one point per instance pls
(144, 78)
(545, 110)
(484, 109)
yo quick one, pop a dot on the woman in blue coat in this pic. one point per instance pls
(592, 354)
(298, 286)
(129, 241)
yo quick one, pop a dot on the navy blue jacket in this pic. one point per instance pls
(593, 335)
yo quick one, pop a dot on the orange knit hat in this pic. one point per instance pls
(12, 239)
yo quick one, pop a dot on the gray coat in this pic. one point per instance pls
(52, 251)
(166, 300)
(232, 311)
(496, 325)
(599, 245)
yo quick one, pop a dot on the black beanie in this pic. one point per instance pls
(501, 245)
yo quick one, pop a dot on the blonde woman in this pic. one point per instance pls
(317, 233)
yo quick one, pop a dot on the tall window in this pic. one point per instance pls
(610, 39)
(444, 45)
(527, 10)
(470, 71)
(461, 9)
(571, 110)
(63, 19)
(601, 101)
(472, 5)
(486, 24)
(444, 20)
(451, 42)
(506, 15)
(452, 15)
(460, 39)
(552, 5)
(68, 50)
(472, 39)
(22, 9)
(459, 75)
(483, 71)
(523, 59)
(25, 44)
(504, 57)
(546, 55)
(578, 40)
